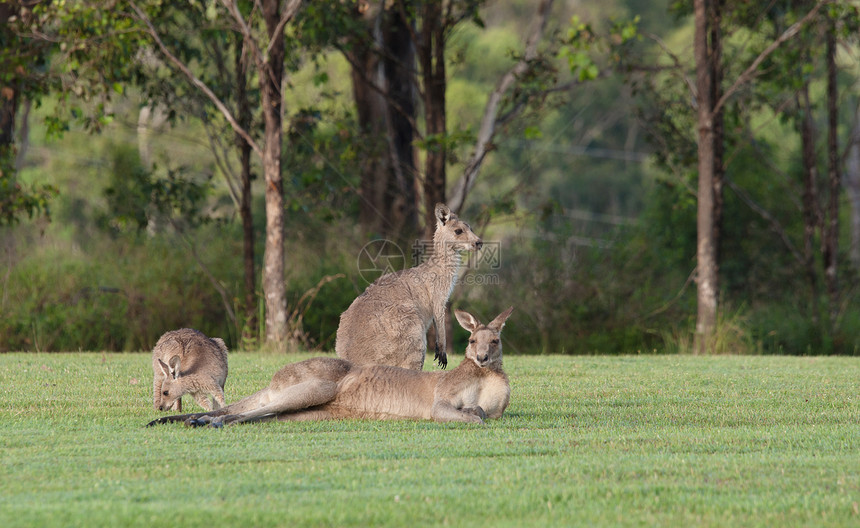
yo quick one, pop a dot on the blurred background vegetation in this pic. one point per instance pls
(588, 192)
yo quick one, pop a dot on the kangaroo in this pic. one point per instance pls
(326, 388)
(186, 361)
(388, 323)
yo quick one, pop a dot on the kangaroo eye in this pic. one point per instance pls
(166, 393)
(495, 341)
(458, 231)
(472, 341)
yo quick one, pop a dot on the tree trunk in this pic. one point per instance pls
(432, 53)
(706, 266)
(8, 104)
(852, 189)
(244, 118)
(811, 210)
(383, 86)
(399, 68)
(830, 237)
(715, 65)
(271, 82)
(370, 107)
(8, 108)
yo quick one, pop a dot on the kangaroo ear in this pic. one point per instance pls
(220, 342)
(164, 369)
(499, 322)
(443, 214)
(466, 320)
(174, 367)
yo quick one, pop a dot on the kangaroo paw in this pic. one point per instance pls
(441, 358)
(477, 411)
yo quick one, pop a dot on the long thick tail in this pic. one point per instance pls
(243, 405)
(184, 417)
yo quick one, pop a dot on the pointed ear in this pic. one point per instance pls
(499, 322)
(164, 369)
(174, 367)
(467, 320)
(443, 214)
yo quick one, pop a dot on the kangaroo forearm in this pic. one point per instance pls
(445, 412)
(441, 337)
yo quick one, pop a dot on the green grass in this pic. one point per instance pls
(630, 441)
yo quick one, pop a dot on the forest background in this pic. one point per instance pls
(153, 154)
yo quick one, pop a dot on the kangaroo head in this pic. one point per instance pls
(171, 388)
(453, 233)
(485, 345)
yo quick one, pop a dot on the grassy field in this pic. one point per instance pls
(620, 441)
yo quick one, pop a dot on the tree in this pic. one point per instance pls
(821, 197)
(491, 119)
(409, 39)
(263, 37)
(706, 263)
(22, 62)
(709, 105)
(382, 58)
(220, 62)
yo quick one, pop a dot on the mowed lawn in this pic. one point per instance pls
(586, 441)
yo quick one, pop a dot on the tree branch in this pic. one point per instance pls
(678, 67)
(195, 81)
(487, 131)
(380, 90)
(222, 161)
(750, 71)
(290, 11)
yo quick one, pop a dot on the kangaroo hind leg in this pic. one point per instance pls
(286, 400)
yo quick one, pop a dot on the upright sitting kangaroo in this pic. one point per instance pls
(186, 361)
(388, 323)
(332, 388)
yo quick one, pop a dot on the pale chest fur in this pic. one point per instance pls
(494, 395)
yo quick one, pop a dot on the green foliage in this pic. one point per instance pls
(322, 167)
(136, 198)
(580, 39)
(112, 297)
(583, 42)
(453, 143)
(612, 441)
(581, 286)
(17, 199)
(598, 246)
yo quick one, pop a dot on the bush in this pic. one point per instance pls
(570, 297)
(113, 296)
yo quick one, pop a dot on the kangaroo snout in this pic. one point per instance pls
(478, 244)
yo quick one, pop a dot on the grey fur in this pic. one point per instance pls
(185, 361)
(388, 323)
(326, 388)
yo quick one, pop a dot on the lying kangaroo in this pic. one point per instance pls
(388, 323)
(187, 362)
(332, 388)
